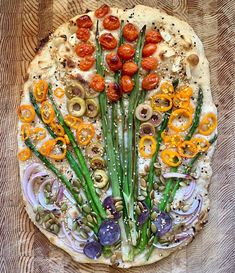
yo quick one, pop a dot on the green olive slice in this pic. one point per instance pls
(143, 112)
(75, 90)
(94, 149)
(156, 118)
(100, 179)
(92, 108)
(147, 129)
(97, 162)
(76, 107)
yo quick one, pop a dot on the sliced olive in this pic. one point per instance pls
(97, 162)
(75, 90)
(156, 118)
(92, 108)
(76, 107)
(143, 112)
(90, 93)
(147, 128)
(100, 179)
(94, 149)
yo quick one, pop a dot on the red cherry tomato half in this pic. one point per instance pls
(149, 49)
(113, 61)
(102, 11)
(130, 32)
(108, 41)
(83, 34)
(150, 81)
(126, 51)
(84, 21)
(111, 22)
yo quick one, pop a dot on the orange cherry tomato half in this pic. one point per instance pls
(24, 154)
(149, 49)
(84, 49)
(59, 92)
(111, 22)
(102, 11)
(113, 61)
(126, 51)
(86, 63)
(127, 84)
(40, 90)
(153, 36)
(150, 81)
(97, 83)
(26, 113)
(149, 63)
(85, 133)
(83, 34)
(114, 92)
(129, 68)
(57, 128)
(47, 112)
(59, 142)
(130, 32)
(84, 21)
(108, 41)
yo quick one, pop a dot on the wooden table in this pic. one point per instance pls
(23, 23)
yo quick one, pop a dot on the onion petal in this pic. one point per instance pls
(177, 175)
(191, 211)
(71, 243)
(189, 190)
(69, 197)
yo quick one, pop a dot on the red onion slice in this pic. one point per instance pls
(196, 214)
(71, 243)
(30, 169)
(189, 190)
(177, 175)
(191, 211)
(41, 198)
(69, 197)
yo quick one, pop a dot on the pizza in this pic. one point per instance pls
(117, 128)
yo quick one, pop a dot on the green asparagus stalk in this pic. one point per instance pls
(72, 162)
(62, 178)
(80, 157)
(193, 128)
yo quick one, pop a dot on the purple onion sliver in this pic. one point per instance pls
(196, 214)
(189, 190)
(192, 210)
(92, 250)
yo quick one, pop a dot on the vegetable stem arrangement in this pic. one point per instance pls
(113, 143)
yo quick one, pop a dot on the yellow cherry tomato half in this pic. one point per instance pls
(187, 149)
(179, 116)
(201, 143)
(161, 102)
(142, 147)
(208, 124)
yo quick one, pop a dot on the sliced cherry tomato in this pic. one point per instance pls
(24, 154)
(40, 90)
(129, 68)
(201, 143)
(127, 84)
(126, 51)
(161, 102)
(84, 21)
(38, 133)
(171, 158)
(25, 131)
(153, 36)
(187, 149)
(130, 32)
(47, 112)
(26, 113)
(149, 63)
(111, 22)
(113, 61)
(149, 49)
(97, 83)
(108, 41)
(114, 92)
(150, 81)
(142, 148)
(83, 34)
(72, 122)
(86, 63)
(59, 92)
(208, 124)
(84, 49)
(57, 128)
(102, 11)
(85, 133)
(180, 114)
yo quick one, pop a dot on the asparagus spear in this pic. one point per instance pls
(193, 128)
(80, 157)
(73, 163)
(62, 178)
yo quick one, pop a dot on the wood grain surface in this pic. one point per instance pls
(23, 23)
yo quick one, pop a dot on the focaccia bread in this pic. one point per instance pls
(116, 133)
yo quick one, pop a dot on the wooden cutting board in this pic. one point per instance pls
(23, 23)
